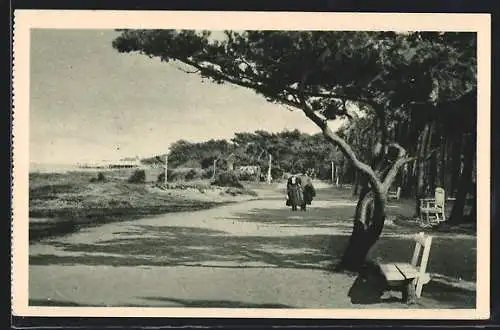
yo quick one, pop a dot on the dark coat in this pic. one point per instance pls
(294, 191)
(308, 190)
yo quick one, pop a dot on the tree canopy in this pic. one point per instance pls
(397, 76)
(386, 69)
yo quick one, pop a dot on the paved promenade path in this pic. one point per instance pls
(250, 254)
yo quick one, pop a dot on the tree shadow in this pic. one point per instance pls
(214, 303)
(314, 216)
(145, 245)
(367, 291)
(63, 303)
(168, 302)
(187, 246)
(65, 221)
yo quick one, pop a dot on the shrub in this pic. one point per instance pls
(100, 178)
(161, 178)
(194, 174)
(138, 176)
(207, 173)
(245, 176)
(227, 179)
(184, 174)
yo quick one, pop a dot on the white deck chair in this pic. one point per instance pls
(433, 209)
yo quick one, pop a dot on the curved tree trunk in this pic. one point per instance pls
(368, 225)
(370, 211)
(370, 216)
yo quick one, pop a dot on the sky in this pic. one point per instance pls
(88, 102)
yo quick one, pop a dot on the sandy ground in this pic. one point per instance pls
(249, 254)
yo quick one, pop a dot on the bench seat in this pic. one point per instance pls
(410, 277)
(401, 272)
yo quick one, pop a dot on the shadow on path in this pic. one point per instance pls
(317, 217)
(65, 221)
(62, 303)
(177, 246)
(167, 302)
(214, 303)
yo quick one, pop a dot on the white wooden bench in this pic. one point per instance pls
(410, 277)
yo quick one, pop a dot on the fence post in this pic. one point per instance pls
(165, 180)
(269, 178)
(333, 172)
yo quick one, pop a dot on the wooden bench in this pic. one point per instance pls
(410, 277)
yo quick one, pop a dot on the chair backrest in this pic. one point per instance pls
(439, 197)
(421, 241)
(398, 193)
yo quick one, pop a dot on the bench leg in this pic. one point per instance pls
(409, 293)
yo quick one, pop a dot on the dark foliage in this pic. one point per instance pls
(227, 179)
(138, 176)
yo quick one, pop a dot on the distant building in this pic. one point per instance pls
(124, 164)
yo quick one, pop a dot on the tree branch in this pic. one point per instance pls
(187, 71)
(344, 147)
(426, 158)
(291, 90)
(401, 160)
(331, 95)
(393, 171)
(254, 86)
(380, 112)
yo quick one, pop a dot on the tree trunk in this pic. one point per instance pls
(407, 188)
(442, 164)
(355, 184)
(456, 155)
(433, 164)
(368, 224)
(420, 184)
(471, 217)
(465, 182)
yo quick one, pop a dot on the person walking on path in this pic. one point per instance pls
(308, 191)
(294, 192)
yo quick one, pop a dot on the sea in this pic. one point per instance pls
(57, 168)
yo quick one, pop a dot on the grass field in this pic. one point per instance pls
(60, 203)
